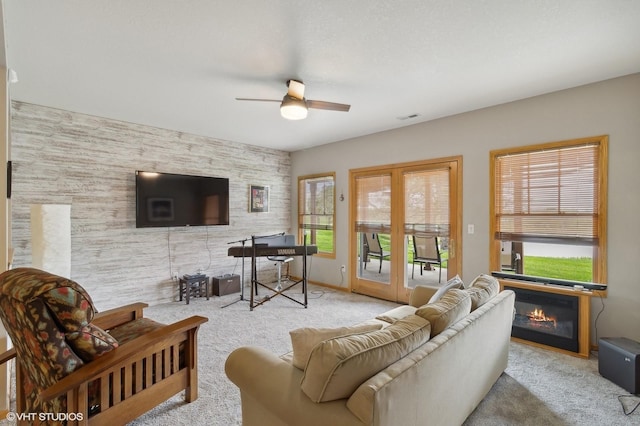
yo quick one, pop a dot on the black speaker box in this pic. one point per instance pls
(619, 361)
(226, 284)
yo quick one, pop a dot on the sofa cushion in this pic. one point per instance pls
(483, 288)
(90, 342)
(486, 281)
(396, 313)
(451, 308)
(455, 282)
(338, 366)
(303, 340)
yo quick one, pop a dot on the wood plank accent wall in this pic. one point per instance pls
(62, 157)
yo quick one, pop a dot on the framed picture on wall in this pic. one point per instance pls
(258, 199)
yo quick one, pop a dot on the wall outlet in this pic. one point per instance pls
(343, 268)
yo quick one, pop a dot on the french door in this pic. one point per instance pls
(393, 207)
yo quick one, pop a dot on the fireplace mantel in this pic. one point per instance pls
(584, 318)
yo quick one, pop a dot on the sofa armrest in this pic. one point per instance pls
(421, 295)
(271, 394)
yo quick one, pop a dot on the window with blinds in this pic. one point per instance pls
(316, 213)
(427, 203)
(552, 194)
(373, 204)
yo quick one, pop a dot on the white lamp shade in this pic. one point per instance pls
(51, 238)
(293, 109)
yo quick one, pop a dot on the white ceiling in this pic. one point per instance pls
(180, 64)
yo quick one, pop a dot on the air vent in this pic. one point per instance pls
(408, 117)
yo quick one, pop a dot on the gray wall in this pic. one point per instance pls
(60, 157)
(610, 107)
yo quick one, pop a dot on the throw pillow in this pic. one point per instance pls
(397, 313)
(90, 342)
(486, 281)
(70, 305)
(451, 308)
(303, 340)
(338, 366)
(455, 282)
(482, 289)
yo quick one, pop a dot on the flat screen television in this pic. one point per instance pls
(166, 199)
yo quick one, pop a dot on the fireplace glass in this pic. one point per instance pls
(546, 318)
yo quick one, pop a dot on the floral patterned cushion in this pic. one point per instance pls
(71, 307)
(129, 331)
(90, 342)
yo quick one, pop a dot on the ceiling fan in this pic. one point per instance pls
(294, 106)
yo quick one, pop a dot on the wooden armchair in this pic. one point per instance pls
(105, 368)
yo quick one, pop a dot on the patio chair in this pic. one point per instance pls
(426, 252)
(106, 368)
(373, 248)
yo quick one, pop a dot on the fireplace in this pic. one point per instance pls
(546, 318)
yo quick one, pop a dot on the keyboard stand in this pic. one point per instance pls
(253, 303)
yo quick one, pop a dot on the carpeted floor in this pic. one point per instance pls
(539, 387)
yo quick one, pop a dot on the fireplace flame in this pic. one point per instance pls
(538, 315)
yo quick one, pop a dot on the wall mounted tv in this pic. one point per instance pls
(166, 199)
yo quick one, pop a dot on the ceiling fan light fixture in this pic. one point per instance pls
(292, 108)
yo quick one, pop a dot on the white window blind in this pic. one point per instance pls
(373, 209)
(549, 195)
(426, 195)
(316, 203)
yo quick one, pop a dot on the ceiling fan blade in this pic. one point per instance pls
(259, 100)
(328, 105)
(296, 89)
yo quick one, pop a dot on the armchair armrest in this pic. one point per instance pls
(132, 351)
(421, 295)
(117, 316)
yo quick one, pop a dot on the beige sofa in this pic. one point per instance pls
(425, 372)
